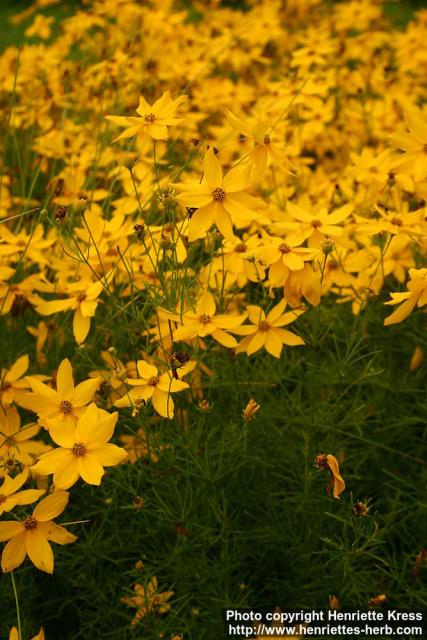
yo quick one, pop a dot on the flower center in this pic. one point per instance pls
(149, 118)
(30, 523)
(2, 499)
(316, 223)
(283, 248)
(79, 449)
(240, 248)
(204, 319)
(218, 194)
(267, 139)
(396, 221)
(425, 148)
(153, 381)
(263, 325)
(66, 407)
(81, 296)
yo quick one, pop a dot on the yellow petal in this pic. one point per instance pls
(56, 533)
(64, 378)
(90, 469)
(339, 484)
(50, 507)
(81, 326)
(10, 529)
(84, 392)
(14, 552)
(206, 305)
(39, 550)
(212, 172)
(18, 369)
(162, 403)
(109, 454)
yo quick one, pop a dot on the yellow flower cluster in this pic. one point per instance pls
(277, 156)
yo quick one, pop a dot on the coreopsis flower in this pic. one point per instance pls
(10, 494)
(250, 410)
(148, 600)
(32, 535)
(218, 200)
(59, 410)
(266, 330)
(40, 28)
(151, 385)
(204, 322)
(140, 446)
(83, 300)
(336, 483)
(376, 601)
(13, 382)
(40, 333)
(315, 225)
(284, 255)
(16, 444)
(153, 120)
(414, 143)
(84, 450)
(415, 296)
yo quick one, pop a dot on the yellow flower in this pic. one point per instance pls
(218, 199)
(31, 536)
(83, 300)
(10, 496)
(314, 225)
(251, 410)
(148, 600)
(203, 322)
(16, 445)
(336, 483)
(153, 119)
(266, 331)
(58, 410)
(408, 300)
(414, 143)
(13, 382)
(41, 27)
(83, 450)
(139, 446)
(150, 385)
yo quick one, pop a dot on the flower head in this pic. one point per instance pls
(31, 536)
(83, 450)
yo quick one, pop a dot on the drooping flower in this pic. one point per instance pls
(84, 450)
(31, 536)
(336, 483)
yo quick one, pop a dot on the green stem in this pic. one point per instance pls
(18, 615)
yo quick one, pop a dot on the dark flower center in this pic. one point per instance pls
(66, 407)
(79, 449)
(218, 194)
